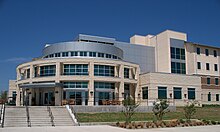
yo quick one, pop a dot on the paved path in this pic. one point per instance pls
(104, 128)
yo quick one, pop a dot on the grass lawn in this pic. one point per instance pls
(208, 113)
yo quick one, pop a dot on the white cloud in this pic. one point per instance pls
(16, 60)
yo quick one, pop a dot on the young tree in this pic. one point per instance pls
(160, 108)
(3, 95)
(129, 108)
(189, 110)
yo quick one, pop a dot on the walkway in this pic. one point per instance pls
(108, 129)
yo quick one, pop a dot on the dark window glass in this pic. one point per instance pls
(216, 67)
(209, 96)
(104, 85)
(198, 65)
(217, 97)
(182, 54)
(208, 81)
(177, 53)
(92, 54)
(57, 54)
(103, 70)
(177, 92)
(28, 73)
(173, 52)
(145, 92)
(198, 51)
(215, 53)
(207, 66)
(179, 68)
(75, 53)
(191, 93)
(75, 69)
(75, 84)
(206, 52)
(83, 53)
(65, 54)
(48, 70)
(162, 93)
(126, 72)
(101, 55)
(216, 81)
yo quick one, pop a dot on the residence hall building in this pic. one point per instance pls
(94, 70)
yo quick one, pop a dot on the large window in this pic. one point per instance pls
(104, 85)
(48, 70)
(198, 51)
(74, 53)
(216, 67)
(28, 73)
(75, 69)
(198, 65)
(177, 92)
(103, 70)
(126, 72)
(207, 66)
(65, 54)
(75, 84)
(83, 53)
(145, 92)
(191, 93)
(208, 80)
(209, 97)
(177, 53)
(162, 92)
(207, 52)
(179, 68)
(92, 54)
(101, 55)
(215, 53)
(57, 54)
(216, 81)
(217, 97)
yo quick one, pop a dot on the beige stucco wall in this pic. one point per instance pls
(12, 87)
(213, 93)
(153, 80)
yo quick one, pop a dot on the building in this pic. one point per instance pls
(95, 70)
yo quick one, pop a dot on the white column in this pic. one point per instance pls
(91, 90)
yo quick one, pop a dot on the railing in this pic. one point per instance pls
(28, 116)
(51, 115)
(2, 116)
(75, 114)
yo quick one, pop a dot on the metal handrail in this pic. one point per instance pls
(28, 116)
(51, 115)
(3, 113)
(75, 114)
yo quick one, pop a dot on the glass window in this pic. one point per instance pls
(179, 68)
(145, 92)
(75, 69)
(83, 53)
(198, 65)
(126, 72)
(207, 66)
(101, 55)
(183, 54)
(75, 84)
(173, 52)
(92, 54)
(215, 53)
(217, 97)
(162, 92)
(57, 54)
(177, 53)
(177, 92)
(208, 81)
(198, 51)
(48, 70)
(209, 97)
(104, 85)
(104, 70)
(206, 52)
(191, 93)
(65, 54)
(216, 67)
(216, 81)
(14, 94)
(115, 57)
(28, 73)
(51, 55)
(75, 53)
(108, 56)
(35, 71)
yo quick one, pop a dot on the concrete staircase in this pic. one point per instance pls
(61, 116)
(15, 117)
(39, 116)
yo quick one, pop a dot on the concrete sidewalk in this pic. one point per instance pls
(104, 128)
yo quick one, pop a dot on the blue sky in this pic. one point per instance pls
(27, 25)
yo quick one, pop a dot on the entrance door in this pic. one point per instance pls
(49, 98)
(77, 96)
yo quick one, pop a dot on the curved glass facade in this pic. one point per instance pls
(104, 70)
(75, 69)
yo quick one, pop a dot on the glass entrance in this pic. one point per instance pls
(49, 98)
(80, 98)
